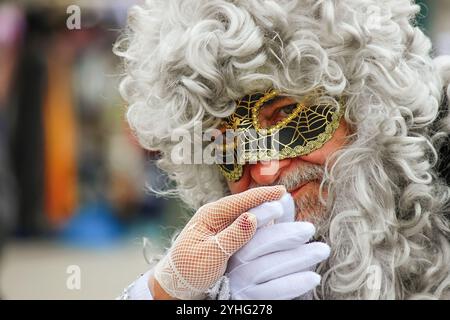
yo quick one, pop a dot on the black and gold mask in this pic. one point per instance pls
(294, 130)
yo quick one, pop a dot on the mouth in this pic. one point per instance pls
(298, 188)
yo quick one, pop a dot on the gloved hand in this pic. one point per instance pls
(199, 255)
(277, 262)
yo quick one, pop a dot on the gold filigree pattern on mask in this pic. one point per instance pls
(306, 129)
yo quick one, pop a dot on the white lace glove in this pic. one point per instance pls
(276, 262)
(199, 256)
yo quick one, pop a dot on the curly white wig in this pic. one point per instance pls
(186, 60)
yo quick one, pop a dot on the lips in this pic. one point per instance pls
(294, 191)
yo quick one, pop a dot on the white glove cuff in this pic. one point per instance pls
(220, 290)
(139, 289)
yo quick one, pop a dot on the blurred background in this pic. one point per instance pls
(73, 193)
(76, 216)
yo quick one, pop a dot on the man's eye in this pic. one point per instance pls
(287, 110)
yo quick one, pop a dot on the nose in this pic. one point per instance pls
(267, 172)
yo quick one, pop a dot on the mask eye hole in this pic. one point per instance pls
(272, 112)
(286, 111)
(275, 112)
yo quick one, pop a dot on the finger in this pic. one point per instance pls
(283, 263)
(237, 234)
(285, 288)
(221, 213)
(279, 264)
(267, 212)
(277, 237)
(288, 205)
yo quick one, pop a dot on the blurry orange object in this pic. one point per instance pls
(60, 136)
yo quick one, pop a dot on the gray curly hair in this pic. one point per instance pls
(186, 60)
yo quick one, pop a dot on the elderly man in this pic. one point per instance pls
(343, 100)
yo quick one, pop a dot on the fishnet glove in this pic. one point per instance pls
(199, 256)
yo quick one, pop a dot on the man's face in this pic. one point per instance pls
(301, 175)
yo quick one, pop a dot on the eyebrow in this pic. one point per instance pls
(270, 103)
(277, 98)
(274, 100)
